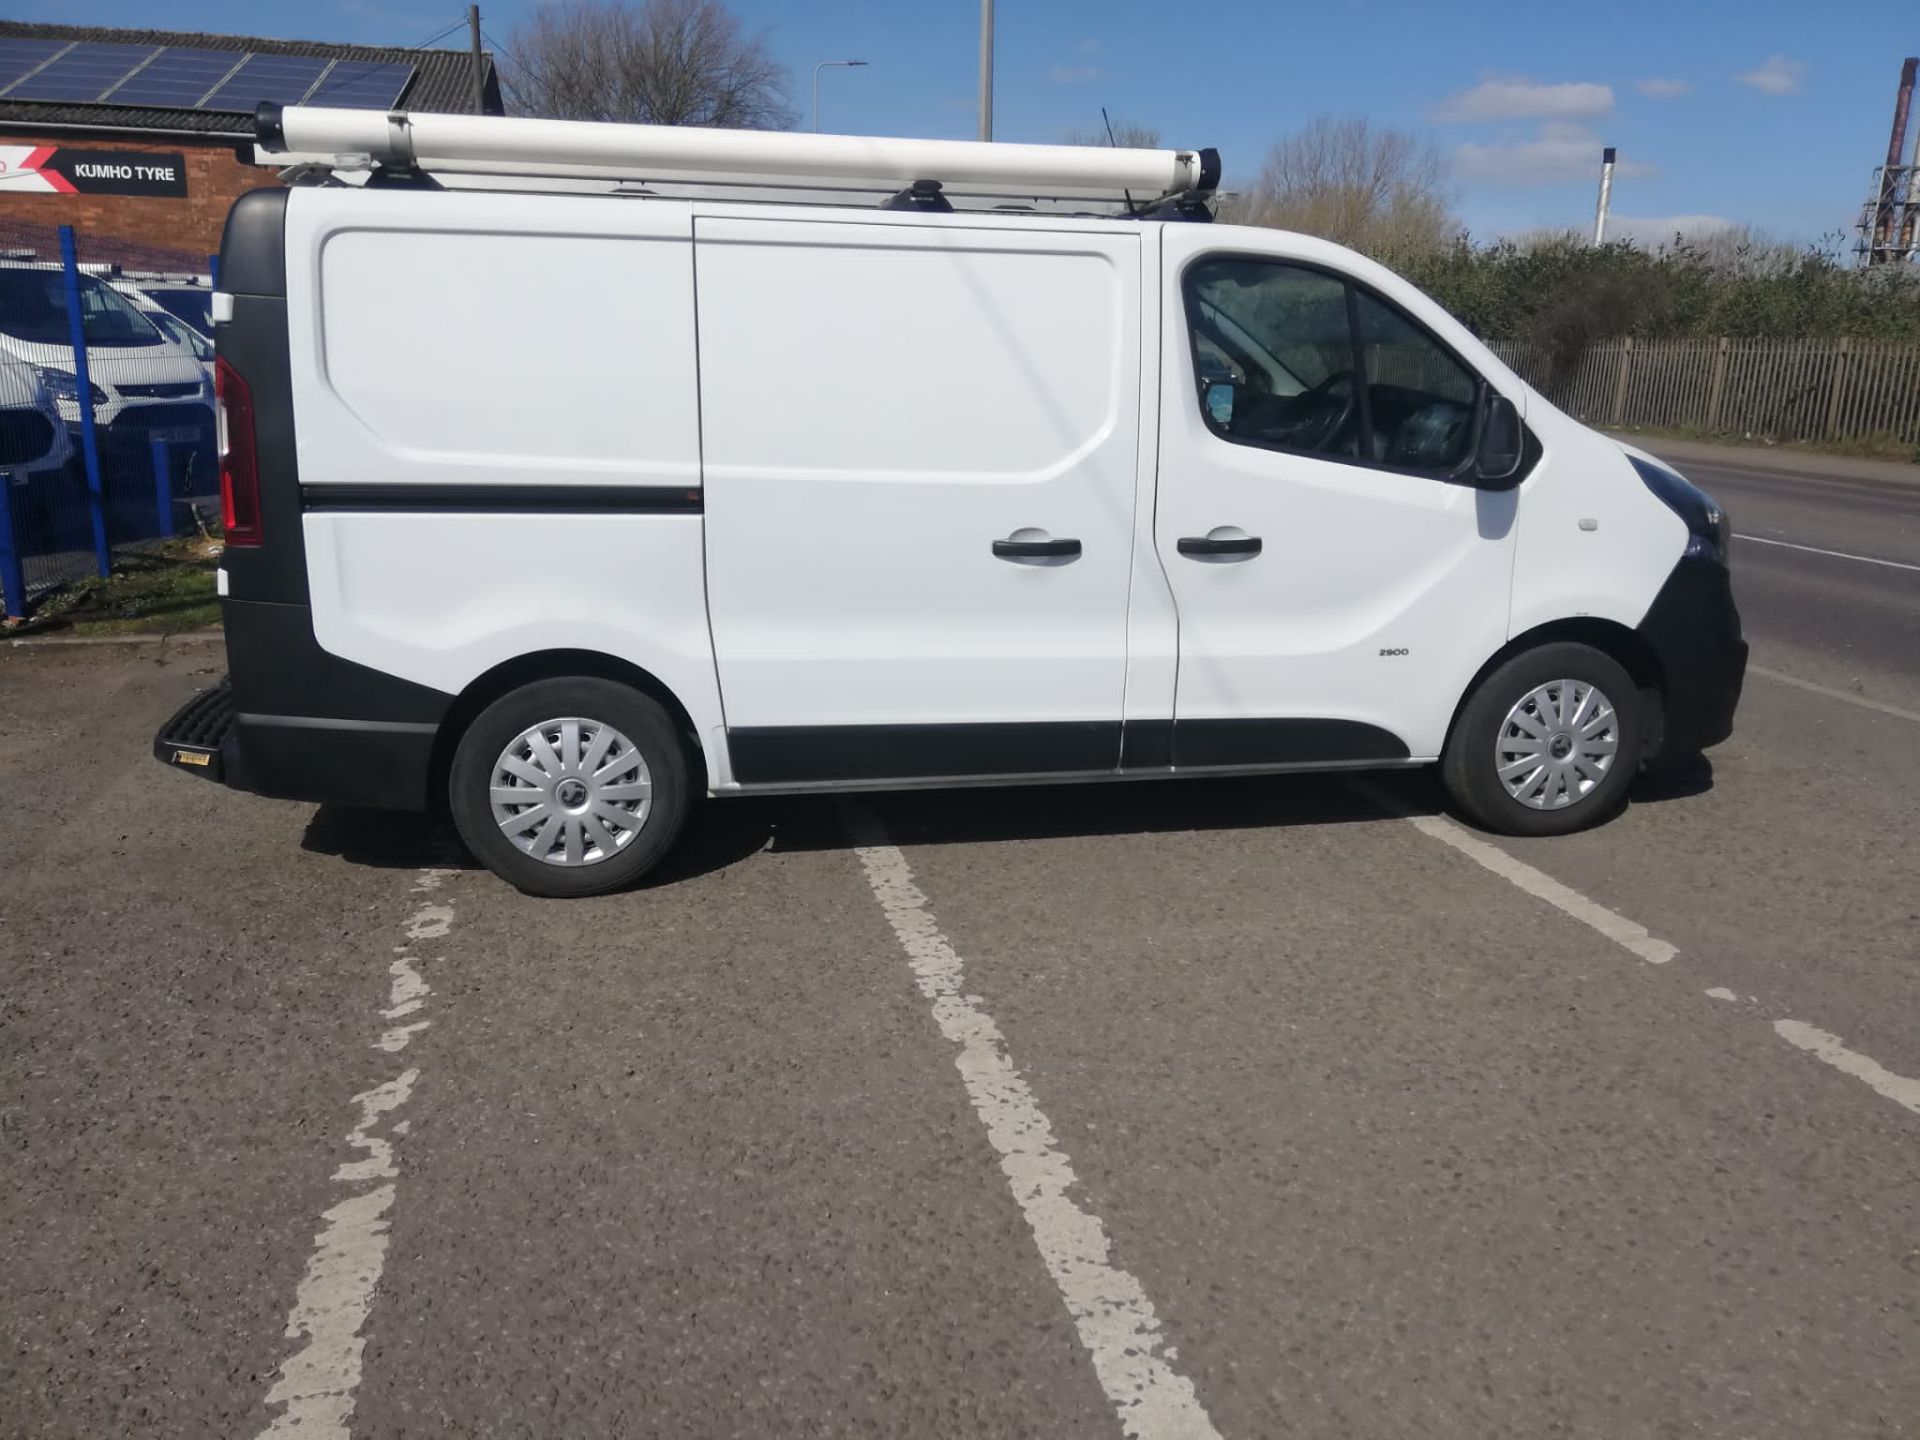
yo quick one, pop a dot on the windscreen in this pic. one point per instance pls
(194, 307)
(33, 308)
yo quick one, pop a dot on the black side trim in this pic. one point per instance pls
(786, 755)
(253, 247)
(1146, 745)
(1693, 627)
(1282, 742)
(620, 499)
(327, 722)
(339, 763)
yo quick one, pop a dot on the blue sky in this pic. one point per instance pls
(1737, 110)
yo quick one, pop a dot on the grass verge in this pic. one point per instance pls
(160, 589)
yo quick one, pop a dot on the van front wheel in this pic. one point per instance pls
(571, 786)
(1547, 744)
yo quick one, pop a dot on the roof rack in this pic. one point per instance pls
(919, 174)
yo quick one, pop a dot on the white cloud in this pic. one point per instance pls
(1074, 74)
(1518, 98)
(1777, 75)
(1653, 231)
(1659, 89)
(1560, 151)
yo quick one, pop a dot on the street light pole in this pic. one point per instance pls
(816, 85)
(986, 69)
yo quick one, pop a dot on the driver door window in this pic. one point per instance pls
(1294, 359)
(1273, 348)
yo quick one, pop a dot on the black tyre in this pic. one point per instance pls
(572, 786)
(1547, 744)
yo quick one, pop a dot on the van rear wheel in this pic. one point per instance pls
(571, 786)
(1547, 744)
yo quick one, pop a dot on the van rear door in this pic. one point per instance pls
(919, 444)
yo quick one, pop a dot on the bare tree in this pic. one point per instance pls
(1127, 134)
(659, 62)
(1379, 190)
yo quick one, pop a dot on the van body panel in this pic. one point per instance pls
(880, 405)
(439, 597)
(1593, 540)
(491, 339)
(464, 387)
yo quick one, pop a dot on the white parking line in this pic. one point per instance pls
(1780, 678)
(317, 1382)
(1897, 1088)
(1634, 937)
(1836, 554)
(1627, 934)
(1115, 1319)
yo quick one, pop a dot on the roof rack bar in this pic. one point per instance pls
(499, 145)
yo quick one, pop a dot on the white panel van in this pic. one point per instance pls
(561, 510)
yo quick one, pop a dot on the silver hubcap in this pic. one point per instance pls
(571, 791)
(1557, 745)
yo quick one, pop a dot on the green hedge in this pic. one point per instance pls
(1564, 295)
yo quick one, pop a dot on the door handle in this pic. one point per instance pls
(1204, 547)
(1036, 549)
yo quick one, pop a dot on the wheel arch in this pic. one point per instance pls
(1625, 646)
(511, 674)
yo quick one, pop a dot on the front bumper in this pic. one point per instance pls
(1693, 628)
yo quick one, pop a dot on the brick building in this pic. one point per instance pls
(145, 135)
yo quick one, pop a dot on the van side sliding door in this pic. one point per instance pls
(919, 445)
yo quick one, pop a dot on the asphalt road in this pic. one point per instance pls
(1250, 1109)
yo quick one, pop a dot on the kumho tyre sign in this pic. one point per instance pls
(64, 170)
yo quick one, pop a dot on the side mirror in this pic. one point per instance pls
(1497, 458)
(1220, 394)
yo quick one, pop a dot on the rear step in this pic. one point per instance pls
(196, 736)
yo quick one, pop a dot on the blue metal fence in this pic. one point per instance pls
(106, 404)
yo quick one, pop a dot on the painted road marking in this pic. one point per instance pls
(316, 1383)
(1634, 937)
(1115, 1319)
(1818, 1043)
(1625, 933)
(1836, 554)
(1797, 480)
(1832, 694)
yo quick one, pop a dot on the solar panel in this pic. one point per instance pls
(176, 78)
(362, 85)
(284, 79)
(83, 74)
(17, 57)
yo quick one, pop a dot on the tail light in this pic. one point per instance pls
(239, 470)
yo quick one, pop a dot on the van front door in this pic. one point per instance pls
(1337, 589)
(919, 448)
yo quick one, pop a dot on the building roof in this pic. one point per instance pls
(442, 80)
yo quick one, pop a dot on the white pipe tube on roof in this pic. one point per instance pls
(504, 145)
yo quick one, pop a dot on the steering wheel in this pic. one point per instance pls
(1338, 411)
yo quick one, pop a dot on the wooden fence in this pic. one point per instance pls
(1773, 389)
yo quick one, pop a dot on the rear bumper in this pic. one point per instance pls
(199, 737)
(1694, 629)
(382, 765)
